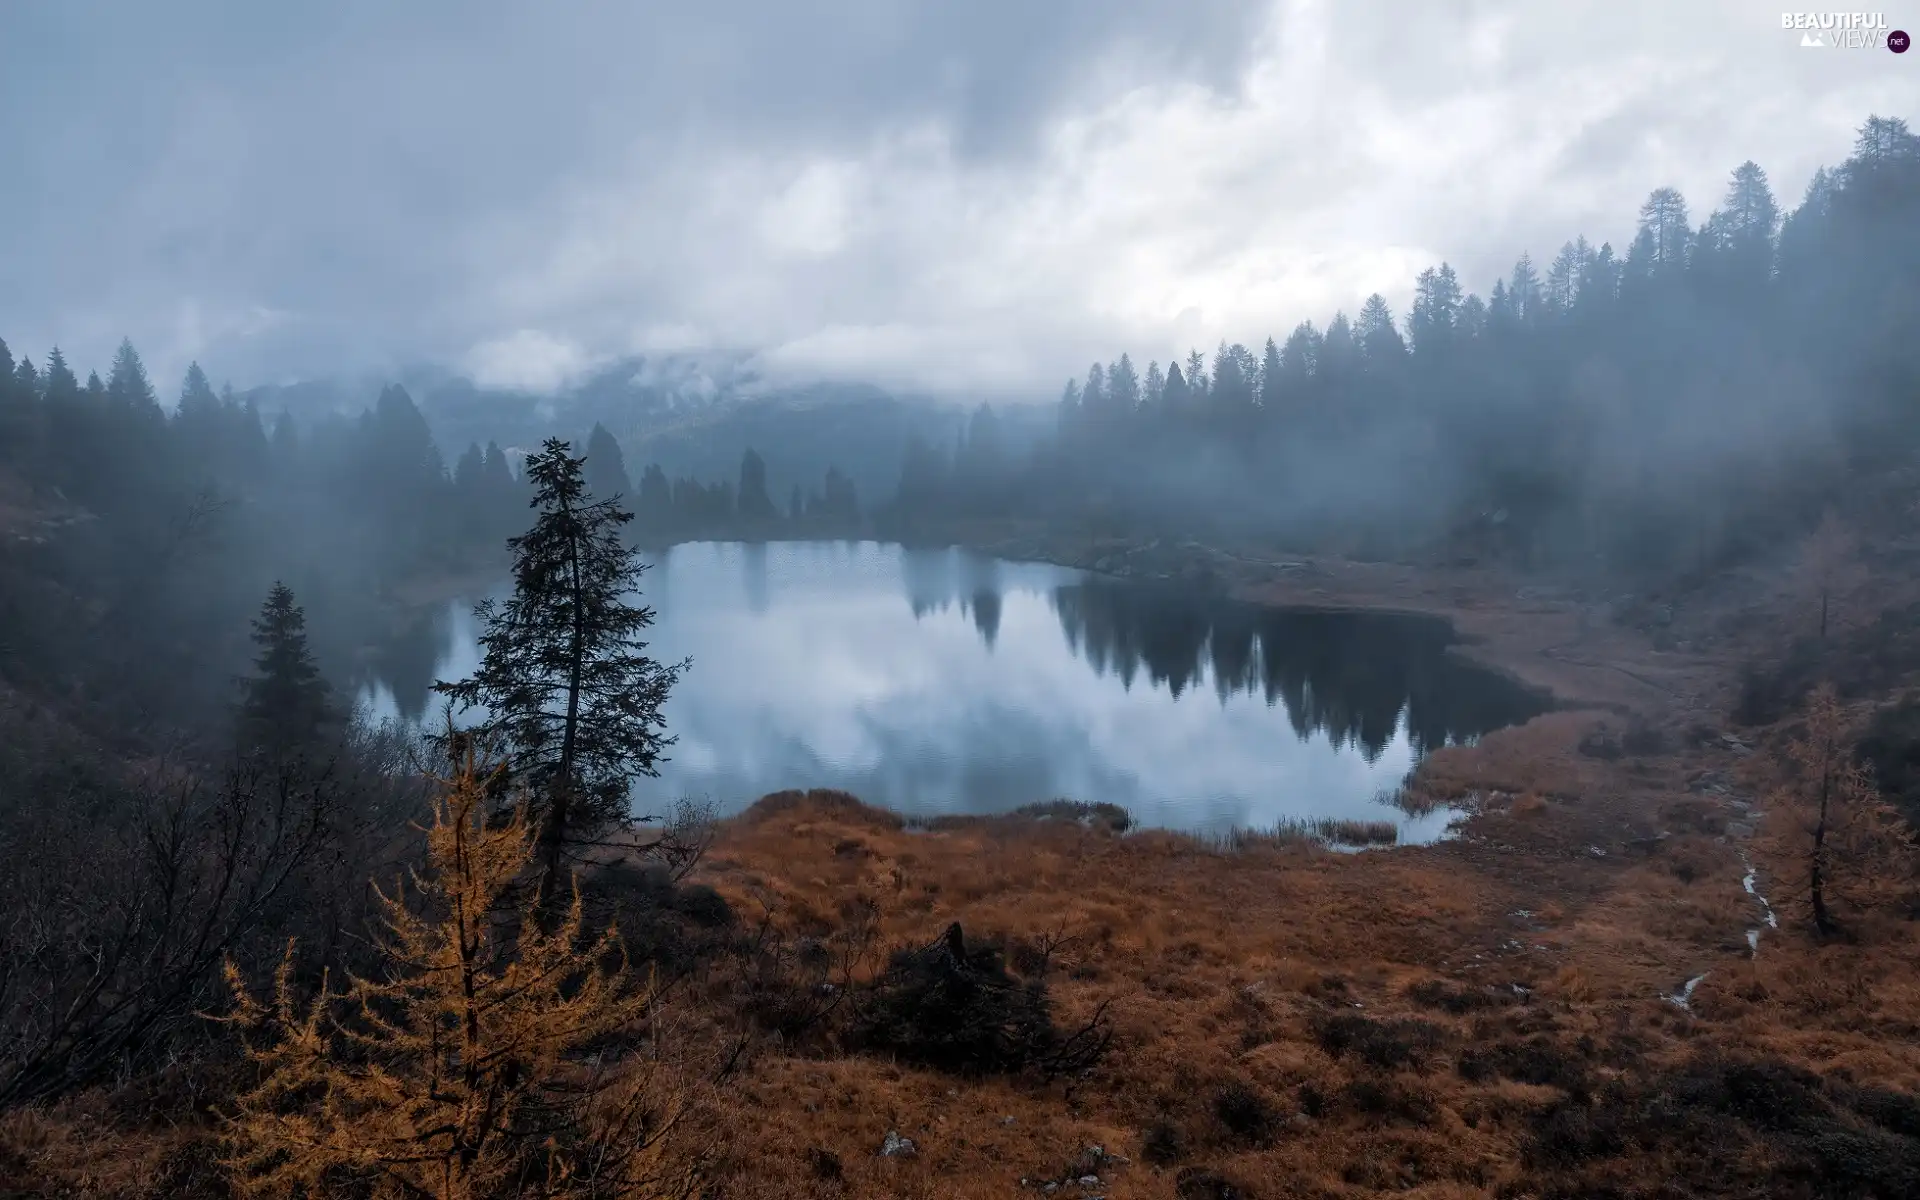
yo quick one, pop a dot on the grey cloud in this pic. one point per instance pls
(313, 168)
(975, 197)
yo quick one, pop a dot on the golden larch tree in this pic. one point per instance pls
(1830, 840)
(484, 1058)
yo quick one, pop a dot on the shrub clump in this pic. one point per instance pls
(1729, 1125)
(1383, 1045)
(1456, 1001)
(1245, 1114)
(1536, 1061)
(955, 1008)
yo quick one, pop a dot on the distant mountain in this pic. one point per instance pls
(693, 414)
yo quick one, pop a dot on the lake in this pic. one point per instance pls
(940, 681)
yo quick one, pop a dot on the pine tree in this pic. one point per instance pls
(1271, 382)
(1378, 338)
(1523, 291)
(19, 411)
(655, 508)
(287, 707)
(1472, 323)
(1174, 397)
(1337, 351)
(1068, 410)
(606, 469)
(1299, 360)
(1436, 309)
(468, 473)
(1753, 218)
(1093, 397)
(1563, 279)
(1235, 376)
(198, 426)
(128, 385)
(1123, 392)
(568, 690)
(838, 499)
(1600, 285)
(754, 502)
(60, 386)
(477, 1062)
(1664, 234)
(1198, 385)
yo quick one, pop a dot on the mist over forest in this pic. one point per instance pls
(1670, 407)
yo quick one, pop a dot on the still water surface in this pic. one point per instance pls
(939, 681)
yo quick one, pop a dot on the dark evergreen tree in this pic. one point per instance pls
(655, 508)
(754, 503)
(129, 387)
(1068, 410)
(569, 692)
(838, 501)
(1436, 310)
(199, 428)
(19, 414)
(1270, 380)
(1379, 339)
(287, 709)
(606, 469)
(1122, 393)
(1174, 398)
(1197, 384)
(1523, 290)
(1660, 246)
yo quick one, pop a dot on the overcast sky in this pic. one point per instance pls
(973, 197)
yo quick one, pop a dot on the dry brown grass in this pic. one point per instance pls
(1297, 1021)
(1224, 972)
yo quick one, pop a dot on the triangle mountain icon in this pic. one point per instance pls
(1811, 38)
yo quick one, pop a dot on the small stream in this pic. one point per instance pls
(1684, 997)
(1753, 935)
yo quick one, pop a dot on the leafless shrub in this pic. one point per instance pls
(115, 913)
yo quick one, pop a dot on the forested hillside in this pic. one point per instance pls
(1661, 408)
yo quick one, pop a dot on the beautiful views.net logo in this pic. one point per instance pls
(1846, 31)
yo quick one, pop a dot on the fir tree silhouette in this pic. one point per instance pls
(287, 707)
(569, 692)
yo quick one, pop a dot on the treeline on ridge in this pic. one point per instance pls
(1662, 410)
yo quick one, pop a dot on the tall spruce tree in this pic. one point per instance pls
(753, 501)
(606, 469)
(287, 708)
(568, 689)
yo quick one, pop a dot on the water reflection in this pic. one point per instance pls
(1358, 678)
(996, 684)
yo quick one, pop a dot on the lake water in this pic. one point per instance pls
(939, 681)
